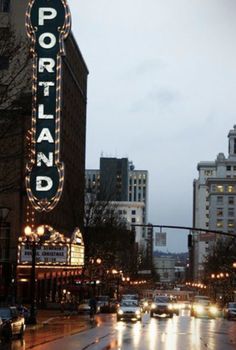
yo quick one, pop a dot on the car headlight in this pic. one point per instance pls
(170, 307)
(199, 309)
(213, 310)
(145, 304)
(137, 312)
(120, 312)
(153, 306)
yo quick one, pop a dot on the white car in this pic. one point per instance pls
(83, 307)
(129, 310)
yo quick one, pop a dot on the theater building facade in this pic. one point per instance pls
(59, 253)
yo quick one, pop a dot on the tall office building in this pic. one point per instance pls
(14, 147)
(118, 181)
(214, 202)
(113, 179)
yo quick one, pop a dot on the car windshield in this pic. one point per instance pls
(5, 313)
(160, 299)
(205, 302)
(129, 303)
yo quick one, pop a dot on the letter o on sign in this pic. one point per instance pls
(51, 42)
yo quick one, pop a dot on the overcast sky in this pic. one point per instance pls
(161, 91)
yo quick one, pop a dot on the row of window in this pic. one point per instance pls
(229, 168)
(223, 188)
(135, 182)
(220, 200)
(220, 223)
(220, 212)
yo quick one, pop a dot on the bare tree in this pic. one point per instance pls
(107, 236)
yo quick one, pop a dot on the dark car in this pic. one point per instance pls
(13, 324)
(230, 311)
(103, 303)
(162, 306)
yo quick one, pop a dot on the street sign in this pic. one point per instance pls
(160, 239)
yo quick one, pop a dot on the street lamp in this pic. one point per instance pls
(33, 237)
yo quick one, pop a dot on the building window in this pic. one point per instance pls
(219, 223)
(230, 223)
(133, 212)
(231, 212)
(208, 172)
(228, 168)
(234, 168)
(219, 200)
(220, 188)
(133, 220)
(5, 5)
(231, 200)
(219, 212)
(230, 188)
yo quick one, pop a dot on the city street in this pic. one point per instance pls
(179, 333)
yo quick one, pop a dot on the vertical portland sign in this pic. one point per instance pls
(48, 24)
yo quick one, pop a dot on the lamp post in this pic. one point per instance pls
(33, 237)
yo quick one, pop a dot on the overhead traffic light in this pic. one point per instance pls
(190, 240)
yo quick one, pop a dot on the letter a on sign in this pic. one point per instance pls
(48, 24)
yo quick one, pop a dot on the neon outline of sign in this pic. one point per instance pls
(44, 204)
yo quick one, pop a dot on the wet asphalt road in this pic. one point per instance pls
(180, 333)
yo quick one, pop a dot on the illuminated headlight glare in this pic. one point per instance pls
(145, 304)
(213, 310)
(199, 309)
(153, 306)
(170, 307)
(120, 312)
(137, 312)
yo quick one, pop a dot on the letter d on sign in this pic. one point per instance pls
(40, 183)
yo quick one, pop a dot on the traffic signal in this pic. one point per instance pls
(190, 240)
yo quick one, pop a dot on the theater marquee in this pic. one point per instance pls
(48, 24)
(57, 250)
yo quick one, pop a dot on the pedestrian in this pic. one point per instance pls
(93, 307)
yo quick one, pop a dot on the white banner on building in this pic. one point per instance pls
(45, 254)
(160, 239)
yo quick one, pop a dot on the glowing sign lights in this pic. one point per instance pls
(48, 24)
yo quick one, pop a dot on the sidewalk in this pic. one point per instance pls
(46, 316)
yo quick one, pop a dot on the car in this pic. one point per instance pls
(103, 303)
(84, 307)
(203, 307)
(162, 306)
(129, 310)
(229, 311)
(12, 323)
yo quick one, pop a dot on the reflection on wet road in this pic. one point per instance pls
(178, 333)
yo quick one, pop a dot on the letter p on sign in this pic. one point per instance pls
(46, 13)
